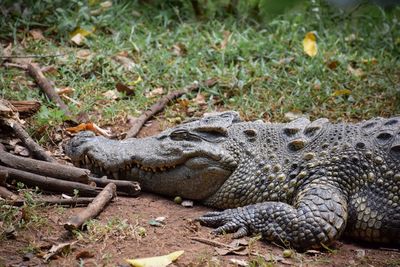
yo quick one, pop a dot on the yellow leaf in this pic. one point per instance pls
(138, 80)
(159, 261)
(82, 32)
(79, 35)
(342, 92)
(310, 46)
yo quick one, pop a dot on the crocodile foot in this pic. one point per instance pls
(237, 221)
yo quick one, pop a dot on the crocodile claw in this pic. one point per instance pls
(228, 221)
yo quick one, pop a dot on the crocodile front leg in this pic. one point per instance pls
(318, 217)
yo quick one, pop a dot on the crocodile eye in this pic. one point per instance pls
(183, 135)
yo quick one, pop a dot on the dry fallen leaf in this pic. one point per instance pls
(200, 99)
(179, 49)
(111, 94)
(65, 91)
(90, 126)
(333, 64)
(126, 62)
(106, 4)
(58, 249)
(285, 61)
(123, 88)
(310, 46)
(224, 43)
(155, 92)
(78, 35)
(6, 51)
(22, 151)
(355, 71)
(159, 261)
(83, 54)
(36, 34)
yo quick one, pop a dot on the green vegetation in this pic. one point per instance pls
(259, 60)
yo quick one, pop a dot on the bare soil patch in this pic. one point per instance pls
(110, 249)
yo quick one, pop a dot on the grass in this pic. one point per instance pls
(262, 69)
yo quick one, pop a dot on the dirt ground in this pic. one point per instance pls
(123, 230)
(176, 234)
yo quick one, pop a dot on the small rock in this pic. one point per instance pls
(287, 253)
(178, 200)
(187, 203)
(156, 223)
(360, 253)
(141, 231)
(28, 256)
(239, 262)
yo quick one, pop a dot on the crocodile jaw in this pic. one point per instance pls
(186, 169)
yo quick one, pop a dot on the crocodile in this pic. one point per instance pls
(302, 184)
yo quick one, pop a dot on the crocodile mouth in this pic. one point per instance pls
(133, 169)
(194, 178)
(120, 171)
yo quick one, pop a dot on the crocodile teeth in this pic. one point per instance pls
(116, 175)
(86, 160)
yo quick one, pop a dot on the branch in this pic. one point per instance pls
(130, 188)
(35, 71)
(51, 169)
(33, 147)
(94, 208)
(74, 202)
(160, 105)
(50, 184)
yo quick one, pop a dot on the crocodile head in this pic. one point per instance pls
(191, 160)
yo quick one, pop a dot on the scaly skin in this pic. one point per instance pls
(302, 184)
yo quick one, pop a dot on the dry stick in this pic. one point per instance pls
(33, 147)
(50, 184)
(59, 171)
(160, 105)
(64, 172)
(130, 188)
(7, 194)
(94, 208)
(26, 108)
(14, 65)
(211, 242)
(35, 71)
(79, 201)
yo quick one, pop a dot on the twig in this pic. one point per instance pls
(160, 105)
(50, 184)
(14, 65)
(33, 147)
(32, 56)
(129, 187)
(94, 208)
(78, 201)
(7, 194)
(35, 71)
(211, 242)
(52, 169)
